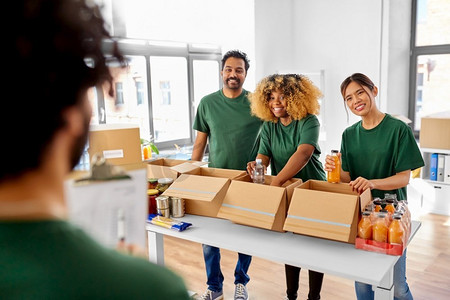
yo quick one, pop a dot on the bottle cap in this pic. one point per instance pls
(334, 151)
(258, 160)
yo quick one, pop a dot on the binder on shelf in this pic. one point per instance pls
(447, 169)
(440, 167)
(433, 166)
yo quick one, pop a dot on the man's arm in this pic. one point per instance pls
(199, 146)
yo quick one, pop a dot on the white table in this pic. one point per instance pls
(330, 257)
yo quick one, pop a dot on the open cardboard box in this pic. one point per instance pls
(258, 205)
(170, 168)
(215, 172)
(203, 193)
(326, 210)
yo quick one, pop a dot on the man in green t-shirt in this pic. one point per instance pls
(42, 255)
(224, 119)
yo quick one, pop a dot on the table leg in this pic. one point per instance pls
(155, 247)
(386, 289)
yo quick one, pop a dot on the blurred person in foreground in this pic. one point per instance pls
(43, 256)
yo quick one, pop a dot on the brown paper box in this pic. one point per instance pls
(169, 168)
(326, 210)
(258, 205)
(435, 131)
(203, 195)
(120, 144)
(215, 172)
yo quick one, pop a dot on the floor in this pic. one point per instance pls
(428, 266)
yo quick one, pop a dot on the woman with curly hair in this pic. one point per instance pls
(289, 142)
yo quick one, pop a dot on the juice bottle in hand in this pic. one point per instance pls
(335, 175)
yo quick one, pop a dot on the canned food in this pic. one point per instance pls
(152, 194)
(162, 206)
(152, 183)
(177, 207)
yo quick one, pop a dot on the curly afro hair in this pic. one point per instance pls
(300, 93)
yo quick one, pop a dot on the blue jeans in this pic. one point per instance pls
(401, 288)
(215, 277)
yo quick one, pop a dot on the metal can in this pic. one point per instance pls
(177, 207)
(162, 206)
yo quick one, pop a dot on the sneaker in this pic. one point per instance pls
(240, 292)
(210, 295)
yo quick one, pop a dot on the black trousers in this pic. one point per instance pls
(292, 282)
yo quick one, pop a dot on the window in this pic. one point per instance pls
(156, 90)
(430, 59)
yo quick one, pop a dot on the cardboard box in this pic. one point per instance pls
(326, 210)
(215, 172)
(435, 131)
(258, 205)
(203, 195)
(119, 143)
(170, 168)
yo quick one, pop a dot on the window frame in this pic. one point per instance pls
(147, 49)
(415, 52)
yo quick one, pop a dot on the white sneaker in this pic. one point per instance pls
(210, 295)
(240, 292)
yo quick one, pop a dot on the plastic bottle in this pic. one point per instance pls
(365, 226)
(396, 234)
(258, 172)
(335, 175)
(380, 229)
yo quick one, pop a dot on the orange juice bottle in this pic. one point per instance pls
(335, 175)
(380, 229)
(396, 234)
(365, 226)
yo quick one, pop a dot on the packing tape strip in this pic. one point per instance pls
(249, 210)
(319, 221)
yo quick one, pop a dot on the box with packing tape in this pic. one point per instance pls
(326, 210)
(258, 205)
(203, 189)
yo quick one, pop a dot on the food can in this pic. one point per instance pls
(162, 206)
(177, 207)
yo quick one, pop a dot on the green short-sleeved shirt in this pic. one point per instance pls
(56, 260)
(380, 152)
(279, 142)
(231, 129)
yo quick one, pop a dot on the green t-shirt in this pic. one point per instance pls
(279, 142)
(380, 152)
(56, 260)
(231, 129)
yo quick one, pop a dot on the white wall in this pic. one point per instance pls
(341, 37)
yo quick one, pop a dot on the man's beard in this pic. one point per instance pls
(235, 86)
(80, 144)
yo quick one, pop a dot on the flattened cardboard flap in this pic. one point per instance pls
(196, 187)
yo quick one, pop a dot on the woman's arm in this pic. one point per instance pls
(396, 181)
(295, 163)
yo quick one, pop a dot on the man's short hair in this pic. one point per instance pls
(236, 54)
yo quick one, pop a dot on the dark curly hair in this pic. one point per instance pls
(53, 56)
(302, 96)
(236, 54)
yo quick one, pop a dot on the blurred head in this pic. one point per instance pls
(359, 94)
(279, 95)
(47, 73)
(235, 65)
